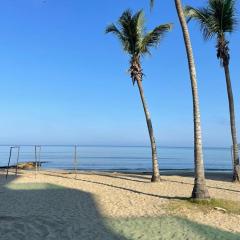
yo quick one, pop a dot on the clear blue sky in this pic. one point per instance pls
(64, 81)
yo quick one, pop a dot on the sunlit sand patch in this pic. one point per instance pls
(32, 186)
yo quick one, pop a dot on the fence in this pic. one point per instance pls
(114, 158)
(34, 155)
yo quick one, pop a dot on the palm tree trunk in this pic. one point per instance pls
(200, 190)
(155, 174)
(236, 167)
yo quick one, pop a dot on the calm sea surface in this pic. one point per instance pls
(118, 158)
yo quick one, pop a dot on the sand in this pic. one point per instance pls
(92, 205)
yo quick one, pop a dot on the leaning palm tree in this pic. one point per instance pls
(130, 30)
(216, 20)
(200, 190)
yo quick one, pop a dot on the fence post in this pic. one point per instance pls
(10, 155)
(75, 160)
(39, 154)
(17, 159)
(35, 161)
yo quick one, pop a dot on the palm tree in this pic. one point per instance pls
(216, 20)
(200, 190)
(130, 30)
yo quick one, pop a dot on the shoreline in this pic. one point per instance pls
(142, 171)
(209, 174)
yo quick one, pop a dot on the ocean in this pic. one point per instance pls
(117, 158)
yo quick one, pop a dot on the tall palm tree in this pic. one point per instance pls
(130, 30)
(200, 190)
(216, 20)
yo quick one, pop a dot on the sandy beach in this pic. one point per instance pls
(97, 205)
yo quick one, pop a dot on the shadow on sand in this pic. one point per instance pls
(145, 177)
(34, 211)
(44, 211)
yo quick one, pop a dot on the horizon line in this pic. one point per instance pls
(108, 145)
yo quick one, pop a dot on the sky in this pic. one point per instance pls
(64, 81)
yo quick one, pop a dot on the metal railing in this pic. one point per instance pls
(10, 156)
(37, 156)
(108, 158)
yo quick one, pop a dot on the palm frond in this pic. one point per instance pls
(218, 18)
(138, 21)
(112, 28)
(201, 15)
(130, 30)
(152, 38)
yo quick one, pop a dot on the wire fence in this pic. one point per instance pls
(32, 157)
(113, 158)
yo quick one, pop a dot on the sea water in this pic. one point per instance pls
(118, 158)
